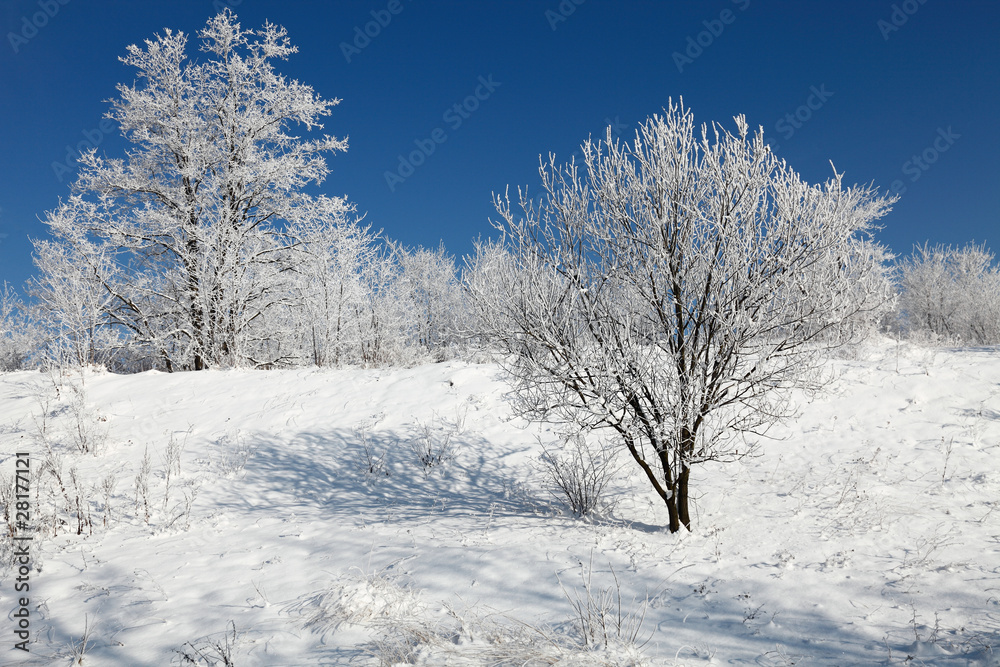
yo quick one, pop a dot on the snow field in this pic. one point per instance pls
(864, 532)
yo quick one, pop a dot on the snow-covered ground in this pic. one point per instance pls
(867, 532)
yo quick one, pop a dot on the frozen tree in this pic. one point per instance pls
(672, 290)
(330, 288)
(353, 303)
(952, 293)
(196, 214)
(72, 301)
(16, 344)
(430, 283)
(381, 318)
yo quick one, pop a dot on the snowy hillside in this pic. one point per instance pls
(285, 518)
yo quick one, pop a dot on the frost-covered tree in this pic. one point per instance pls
(382, 318)
(952, 294)
(196, 215)
(70, 299)
(330, 289)
(672, 290)
(433, 296)
(16, 344)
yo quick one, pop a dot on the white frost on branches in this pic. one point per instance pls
(188, 234)
(671, 289)
(952, 294)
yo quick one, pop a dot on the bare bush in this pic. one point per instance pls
(171, 466)
(108, 484)
(81, 503)
(53, 501)
(9, 519)
(217, 650)
(434, 444)
(79, 649)
(373, 463)
(579, 474)
(89, 428)
(183, 509)
(142, 486)
(7, 500)
(236, 453)
(601, 617)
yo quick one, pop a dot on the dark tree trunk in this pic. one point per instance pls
(673, 512)
(667, 492)
(682, 497)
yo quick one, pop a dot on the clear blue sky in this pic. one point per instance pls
(887, 82)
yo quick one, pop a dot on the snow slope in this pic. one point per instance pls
(864, 533)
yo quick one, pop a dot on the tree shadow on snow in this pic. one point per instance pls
(340, 473)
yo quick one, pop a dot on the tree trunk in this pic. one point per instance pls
(672, 512)
(668, 494)
(682, 497)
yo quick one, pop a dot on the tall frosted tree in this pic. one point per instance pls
(196, 216)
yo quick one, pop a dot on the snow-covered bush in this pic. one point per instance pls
(219, 649)
(435, 444)
(951, 294)
(605, 627)
(16, 344)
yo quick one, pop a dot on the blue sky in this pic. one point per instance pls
(901, 94)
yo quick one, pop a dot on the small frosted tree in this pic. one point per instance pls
(197, 213)
(673, 290)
